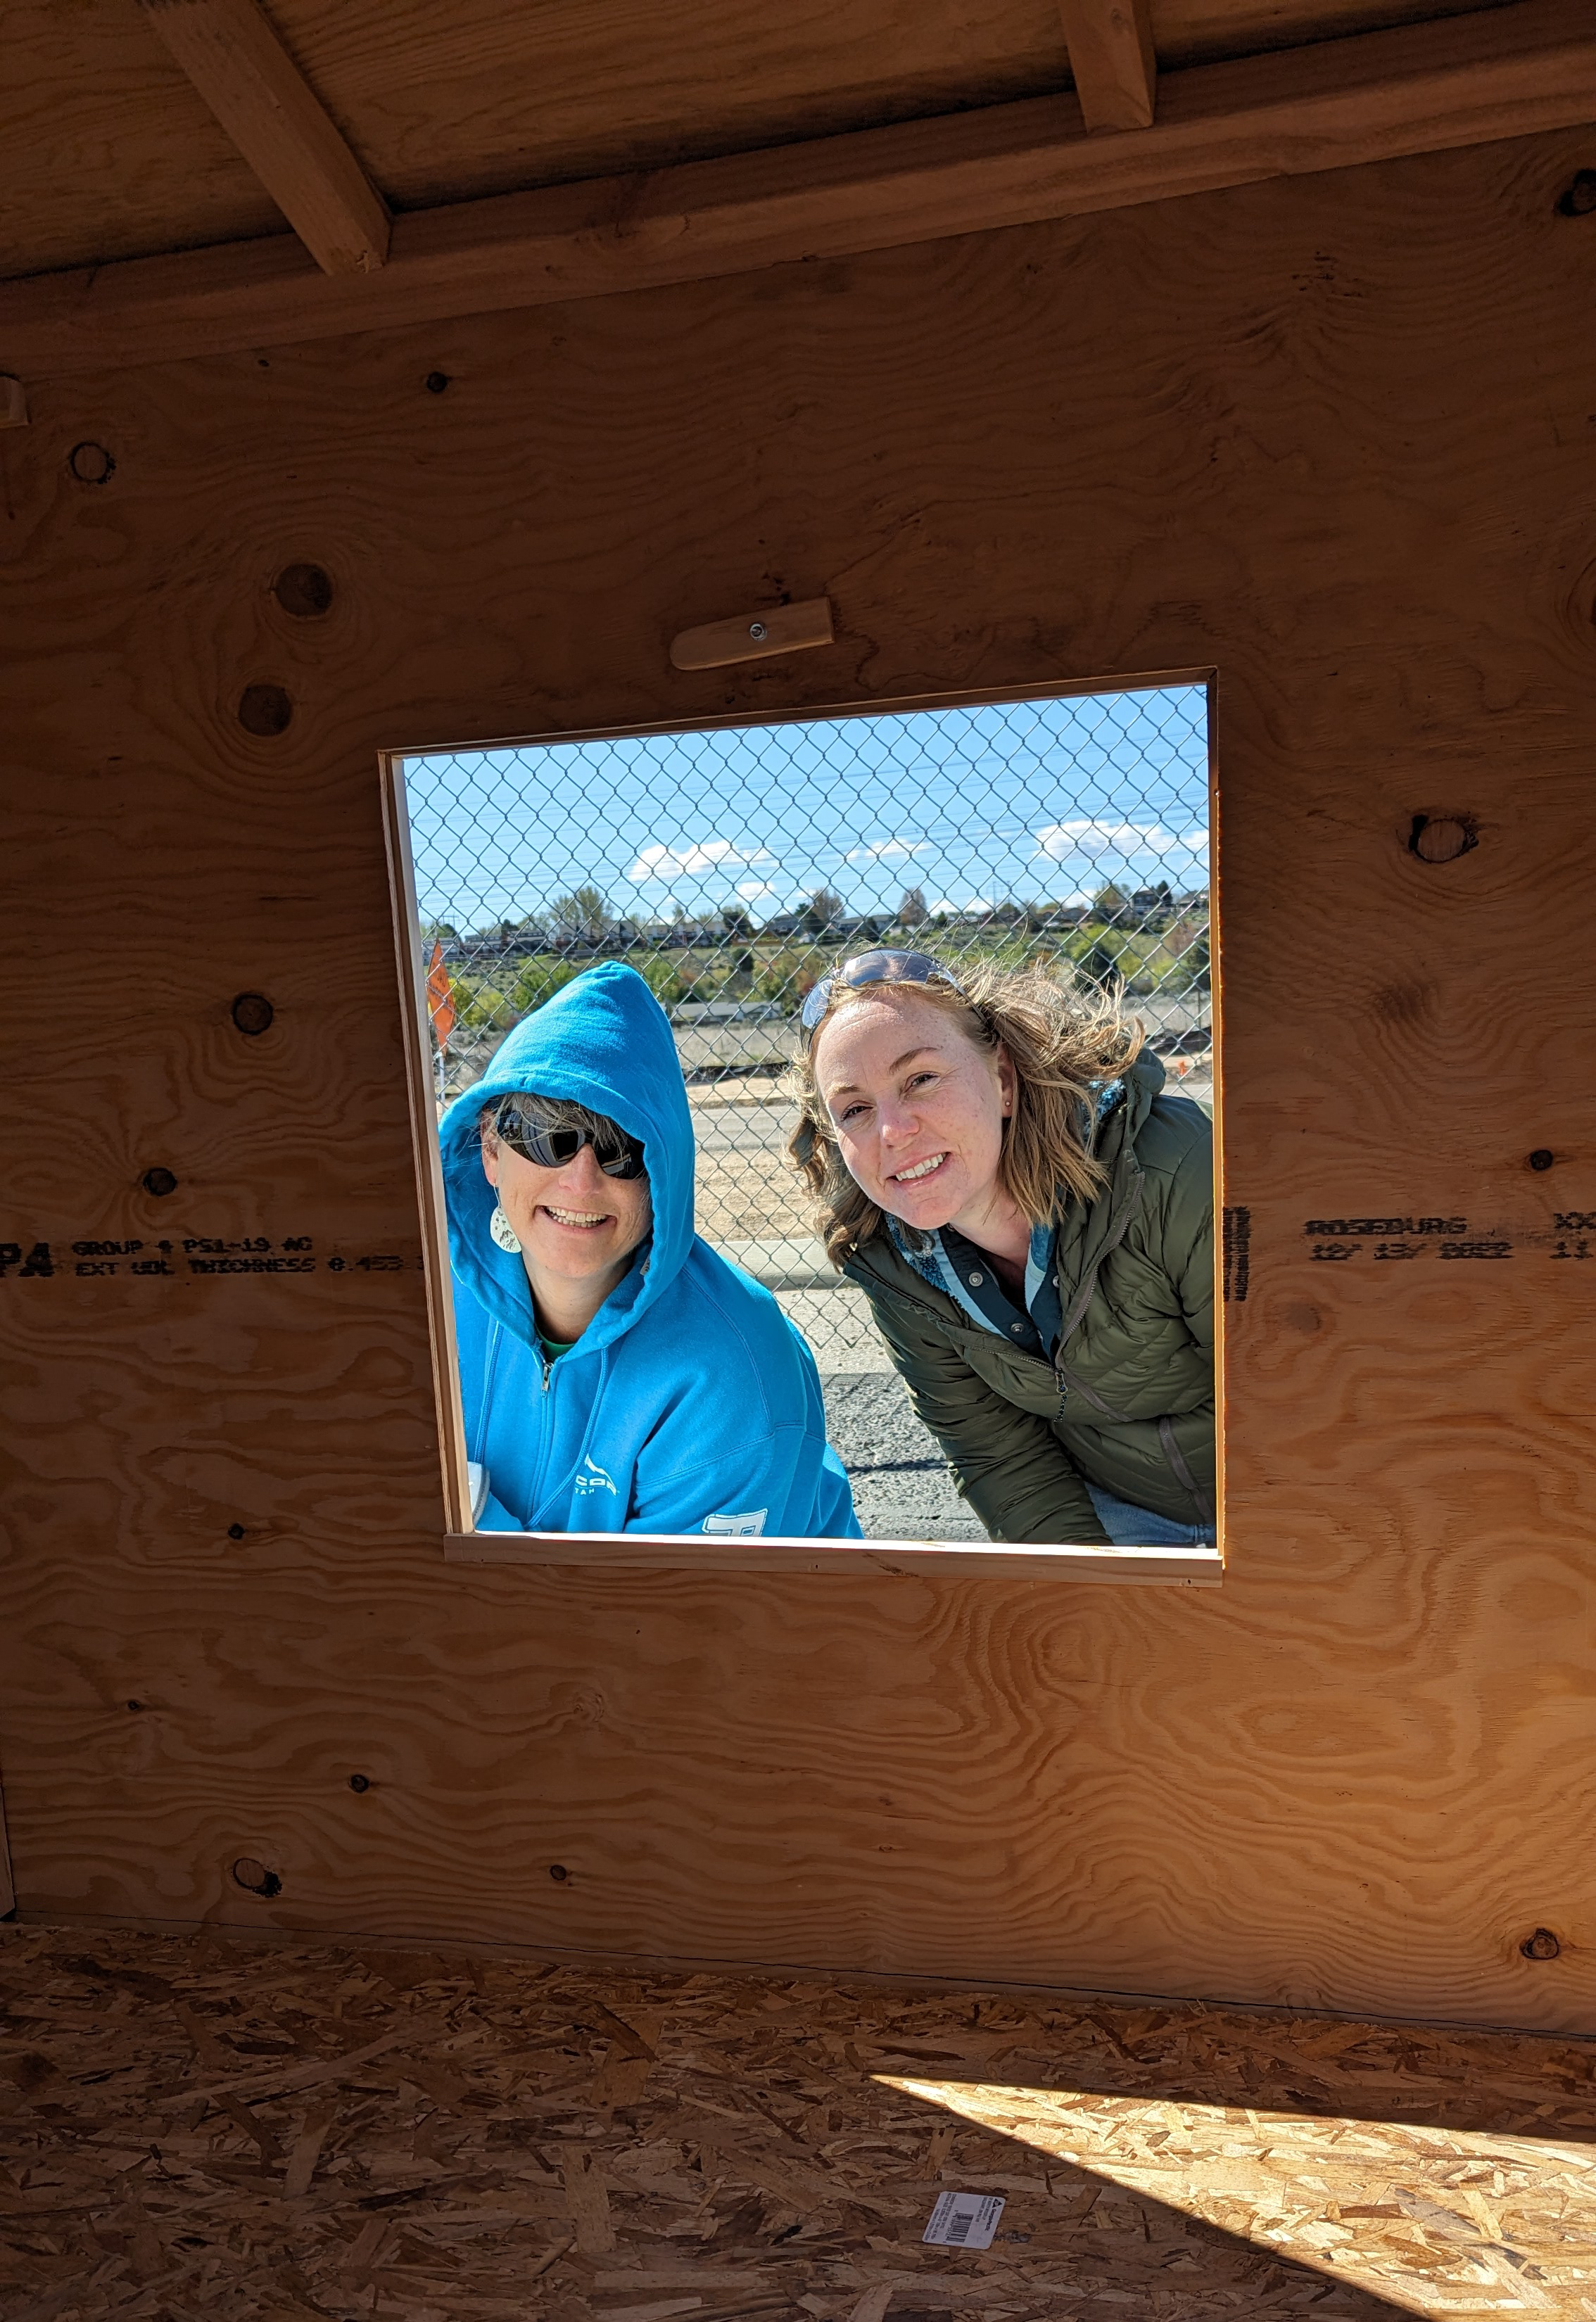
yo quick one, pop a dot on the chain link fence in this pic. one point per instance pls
(732, 866)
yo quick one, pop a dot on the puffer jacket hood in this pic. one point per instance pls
(605, 1042)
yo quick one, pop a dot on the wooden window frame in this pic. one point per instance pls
(1181, 1568)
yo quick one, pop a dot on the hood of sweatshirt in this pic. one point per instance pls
(604, 1041)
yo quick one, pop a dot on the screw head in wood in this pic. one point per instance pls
(159, 1182)
(360, 1782)
(757, 631)
(558, 1873)
(1543, 1944)
(235, 1532)
(253, 1013)
(1542, 1157)
(435, 382)
(1578, 198)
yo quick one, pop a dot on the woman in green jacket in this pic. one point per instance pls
(1031, 1218)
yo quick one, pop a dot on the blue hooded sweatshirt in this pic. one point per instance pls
(689, 1403)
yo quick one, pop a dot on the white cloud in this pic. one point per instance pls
(1063, 842)
(970, 903)
(694, 861)
(890, 850)
(753, 890)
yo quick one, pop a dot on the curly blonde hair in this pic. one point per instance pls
(1063, 1042)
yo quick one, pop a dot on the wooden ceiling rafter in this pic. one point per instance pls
(238, 65)
(1112, 58)
(1519, 69)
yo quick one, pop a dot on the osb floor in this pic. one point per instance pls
(200, 2129)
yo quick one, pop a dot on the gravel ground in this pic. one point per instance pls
(901, 1485)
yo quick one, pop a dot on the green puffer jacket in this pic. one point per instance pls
(1129, 1403)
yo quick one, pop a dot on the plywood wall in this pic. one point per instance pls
(1337, 438)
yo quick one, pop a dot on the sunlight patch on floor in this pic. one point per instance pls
(1437, 2221)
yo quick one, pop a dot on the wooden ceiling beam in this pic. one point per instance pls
(262, 99)
(1508, 72)
(1111, 57)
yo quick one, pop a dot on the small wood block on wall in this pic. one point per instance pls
(755, 636)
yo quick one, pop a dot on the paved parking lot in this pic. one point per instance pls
(901, 1485)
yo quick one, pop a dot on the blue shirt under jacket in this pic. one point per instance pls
(690, 1403)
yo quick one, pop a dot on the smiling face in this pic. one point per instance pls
(918, 1108)
(577, 1228)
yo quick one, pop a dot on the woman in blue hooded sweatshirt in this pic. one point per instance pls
(617, 1374)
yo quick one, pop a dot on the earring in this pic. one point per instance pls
(502, 1233)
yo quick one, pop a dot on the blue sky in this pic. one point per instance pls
(1021, 800)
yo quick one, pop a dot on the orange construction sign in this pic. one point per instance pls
(440, 995)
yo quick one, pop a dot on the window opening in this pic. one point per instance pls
(732, 866)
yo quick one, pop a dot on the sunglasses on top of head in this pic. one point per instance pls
(874, 968)
(551, 1145)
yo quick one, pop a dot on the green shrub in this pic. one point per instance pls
(536, 980)
(661, 971)
(788, 972)
(480, 1003)
(1171, 960)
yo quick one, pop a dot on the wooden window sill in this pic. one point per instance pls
(1179, 1568)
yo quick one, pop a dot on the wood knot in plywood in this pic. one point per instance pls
(1443, 838)
(1401, 1003)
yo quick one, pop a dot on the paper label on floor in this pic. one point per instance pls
(964, 2220)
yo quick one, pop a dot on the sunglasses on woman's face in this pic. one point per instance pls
(551, 1147)
(874, 968)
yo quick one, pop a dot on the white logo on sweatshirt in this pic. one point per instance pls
(596, 1480)
(747, 1526)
